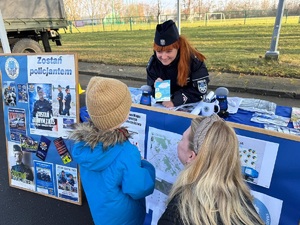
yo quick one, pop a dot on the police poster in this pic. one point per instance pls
(40, 105)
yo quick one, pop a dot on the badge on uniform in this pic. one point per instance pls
(202, 86)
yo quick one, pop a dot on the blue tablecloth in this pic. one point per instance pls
(241, 117)
(244, 117)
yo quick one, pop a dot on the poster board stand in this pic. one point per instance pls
(40, 104)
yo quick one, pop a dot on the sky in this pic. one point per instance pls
(165, 3)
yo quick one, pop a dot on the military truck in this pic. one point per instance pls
(32, 24)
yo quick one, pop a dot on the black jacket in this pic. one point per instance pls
(171, 215)
(195, 88)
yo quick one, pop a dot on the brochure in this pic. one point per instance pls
(162, 91)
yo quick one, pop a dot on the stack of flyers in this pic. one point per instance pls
(270, 119)
(295, 118)
(43, 148)
(62, 150)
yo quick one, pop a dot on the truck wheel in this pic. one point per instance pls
(27, 46)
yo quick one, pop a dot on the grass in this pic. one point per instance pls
(231, 46)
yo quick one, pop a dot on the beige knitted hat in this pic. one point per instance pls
(108, 102)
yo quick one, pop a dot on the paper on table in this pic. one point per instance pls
(270, 119)
(295, 117)
(282, 129)
(258, 105)
(233, 104)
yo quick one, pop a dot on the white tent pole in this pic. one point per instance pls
(178, 17)
(3, 36)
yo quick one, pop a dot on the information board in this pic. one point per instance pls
(40, 104)
(270, 162)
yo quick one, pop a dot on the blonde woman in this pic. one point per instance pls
(210, 190)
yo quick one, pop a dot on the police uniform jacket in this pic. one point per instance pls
(60, 95)
(42, 106)
(196, 85)
(68, 101)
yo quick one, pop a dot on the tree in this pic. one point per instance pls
(231, 5)
(265, 4)
(91, 8)
(73, 9)
(158, 10)
(186, 7)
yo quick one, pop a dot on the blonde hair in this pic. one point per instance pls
(211, 188)
(186, 52)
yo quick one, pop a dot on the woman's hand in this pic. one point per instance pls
(158, 80)
(168, 104)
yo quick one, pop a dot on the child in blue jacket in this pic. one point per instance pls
(114, 177)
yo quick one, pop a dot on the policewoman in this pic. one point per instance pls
(176, 60)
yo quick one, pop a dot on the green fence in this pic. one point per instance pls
(230, 18)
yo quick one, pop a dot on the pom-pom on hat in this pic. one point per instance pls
(108, 102)
(166, 33)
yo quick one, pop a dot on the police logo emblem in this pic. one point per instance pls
(12, 68)
(43, 146)
(31, 87)
(162, 42)
(206, 109)
(202, 86)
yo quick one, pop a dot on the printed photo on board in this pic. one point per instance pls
(21, 172)
(17, 123)
(40, 103)
(22, 93)
(44, 177)
(63, 103)
(28, 144)
(67, 183)
(9, 93)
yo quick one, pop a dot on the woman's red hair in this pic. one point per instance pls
(186, 52)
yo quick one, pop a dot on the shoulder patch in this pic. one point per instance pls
(202, 86)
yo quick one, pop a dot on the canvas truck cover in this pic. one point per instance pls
(32, 9)
(27, 22)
